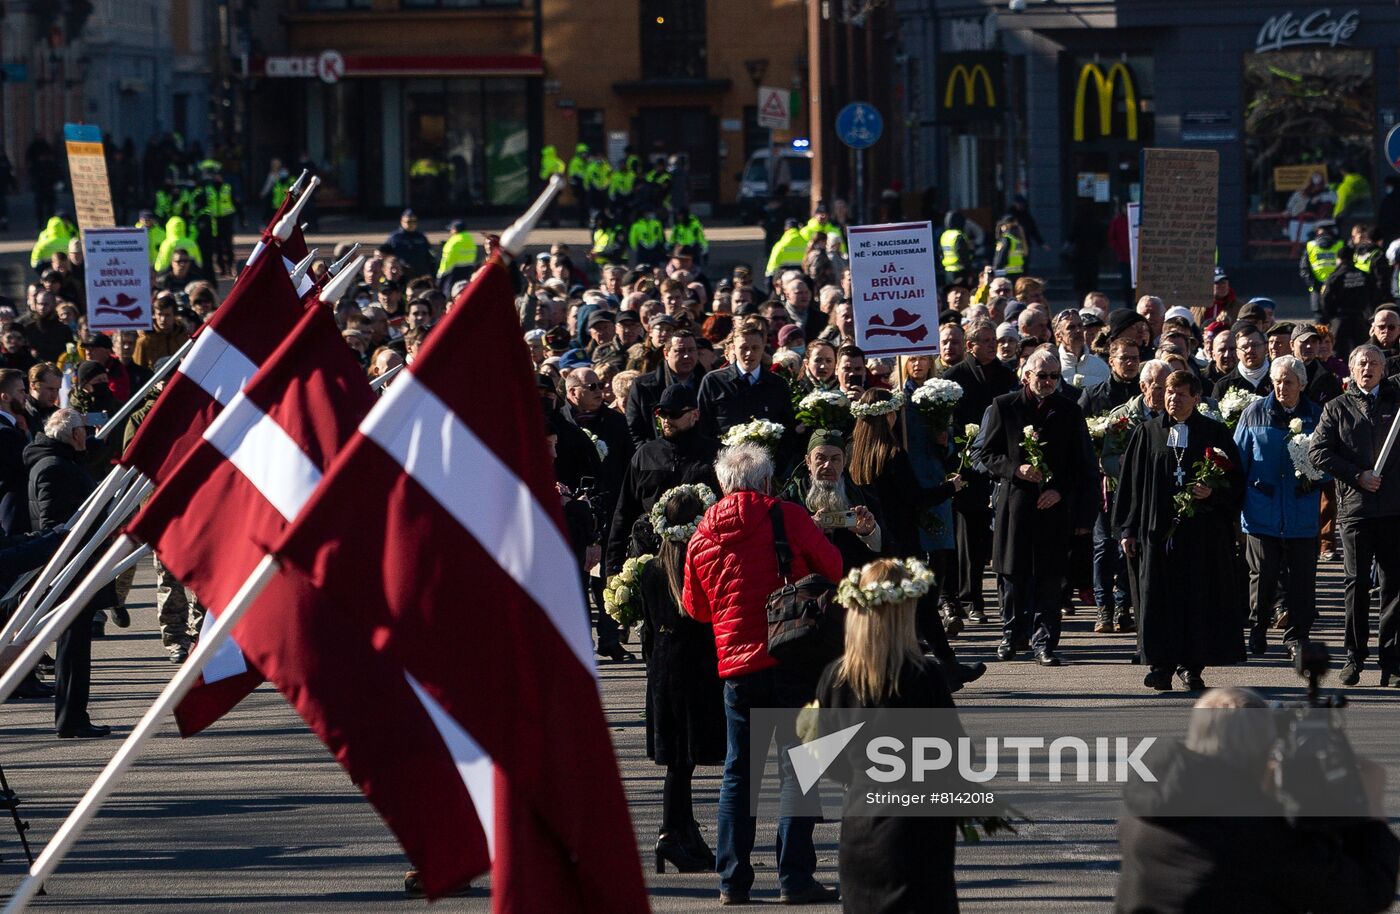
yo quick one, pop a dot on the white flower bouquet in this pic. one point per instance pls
(759, 431)
(622, 597)
(937, 398)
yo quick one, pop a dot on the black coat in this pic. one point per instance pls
(727, 399)
(58, 483)
(1025, 539)
(1190, 591)
(643, 396)
(1235, 380)
(854, 551)
(1208, 864)
(890, 864)
(1348, 440)
(685, 697)
(1323, 385)
(981, 384)
(14, 480)
(656, 466)
(1107, 395)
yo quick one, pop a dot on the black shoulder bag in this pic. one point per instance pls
(806, 626)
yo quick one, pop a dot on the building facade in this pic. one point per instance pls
(1058, 101)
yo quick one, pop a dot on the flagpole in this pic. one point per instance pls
(135, 400)
(336, 286)
(383, 379)
(128, 504)
(126, 563)
(20, 659)
(174, 691)
(513, 238)
(109, 489)
(299, 271)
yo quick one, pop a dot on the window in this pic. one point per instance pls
(468, 143)
(1309, 121)
(673, 39)
(454, 4)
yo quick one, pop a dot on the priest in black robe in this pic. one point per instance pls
(1192, 604)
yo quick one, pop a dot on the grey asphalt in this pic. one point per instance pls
(254, 815)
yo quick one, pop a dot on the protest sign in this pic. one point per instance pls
(118, 279)
(894, 288)
(1176, 239)
(87, 173)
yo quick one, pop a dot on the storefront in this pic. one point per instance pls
(446, 135)
(1293, 96)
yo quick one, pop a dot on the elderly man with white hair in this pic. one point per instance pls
(730, 569)
(1281, 510)
(1036, 442)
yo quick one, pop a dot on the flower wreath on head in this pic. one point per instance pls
(679, 532)
(917, 582)
(882, 408)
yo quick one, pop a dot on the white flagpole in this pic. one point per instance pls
(135, 400)
(174, 691)
(513, 238)
(110, 488)
(19, 659)
(1388, 446)
(339, 265)
(336, 286)
(124, 509)
(383, 379)
(299, 271)
(126, 563)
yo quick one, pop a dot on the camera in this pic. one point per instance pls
(836, 520)
(1315, 768)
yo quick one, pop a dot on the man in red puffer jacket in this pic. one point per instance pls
(731, 568)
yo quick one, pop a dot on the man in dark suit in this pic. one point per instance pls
(1039, 503)
(744, 391)
(14, 477)
(681, 365)
(983, 378)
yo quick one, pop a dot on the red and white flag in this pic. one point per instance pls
(259, 314)
(439, 528)
(211, 523)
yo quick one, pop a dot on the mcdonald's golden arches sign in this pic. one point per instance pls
(1092, 122)
(971, 86)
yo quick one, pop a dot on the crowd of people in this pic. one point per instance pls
(1179, 471)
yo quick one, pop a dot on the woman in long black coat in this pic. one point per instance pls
(685, 698)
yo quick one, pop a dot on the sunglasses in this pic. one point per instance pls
(594, 386)
(668, 414)
(1048, 375)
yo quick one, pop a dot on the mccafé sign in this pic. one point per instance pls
(1105, 86)
(1290, 30)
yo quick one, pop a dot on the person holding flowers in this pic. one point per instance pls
(930, 445)
(684, 696)
(1178, 499)
(1282, 505)
(1035, 442)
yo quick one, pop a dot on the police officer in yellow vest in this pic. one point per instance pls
(689, 232)
(1319, 261)
(458, 256)
(550, 165)
(647, 239)
(596, 180)
(622, 184)
(577, 175)
(215, 219)
(956, 251)
(155, 232)
(1009, 259)
(821, 223)
(609, 240)
(789, 250)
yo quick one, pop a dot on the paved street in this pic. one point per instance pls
(254, 815)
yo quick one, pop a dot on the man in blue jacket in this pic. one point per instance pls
(1281, 509)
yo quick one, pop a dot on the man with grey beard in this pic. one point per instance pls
(822, 485)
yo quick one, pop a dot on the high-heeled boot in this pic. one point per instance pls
(673, 848)
(695, 842)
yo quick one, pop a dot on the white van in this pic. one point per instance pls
(794, 168)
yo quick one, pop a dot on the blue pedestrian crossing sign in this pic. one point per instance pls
(859, 125)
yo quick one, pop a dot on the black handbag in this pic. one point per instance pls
(806, 626)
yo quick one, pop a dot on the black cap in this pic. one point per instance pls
(1302, 332)
(1090, 319)
(599, 317)
(558, 339)
(1280, 328)
(546, 385)
(408, 214)
(676, 399)
(662, 318)
(1253, 312)
(98, 341)
(627, 317)
(89, 370)
(1121, 321)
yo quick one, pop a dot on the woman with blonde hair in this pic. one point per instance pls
(887, 864)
